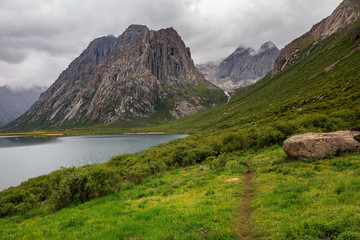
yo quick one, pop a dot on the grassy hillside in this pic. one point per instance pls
(318, 84)
(316, 199)
(162, 194)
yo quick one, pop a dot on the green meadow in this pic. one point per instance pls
(161, 193)
(310, 199)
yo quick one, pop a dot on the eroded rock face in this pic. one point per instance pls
(320, 145)
(242, 68)
(123, 78)
(345, 14)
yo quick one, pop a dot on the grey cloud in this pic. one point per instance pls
(12, 55)
(54, 32)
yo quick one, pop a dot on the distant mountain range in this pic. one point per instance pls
(13, 103)
(139, 74)
(149, 74)
(243, 67)
(314, 83)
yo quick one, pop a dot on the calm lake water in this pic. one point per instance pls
(25, 157)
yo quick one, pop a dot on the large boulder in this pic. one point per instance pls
(320, 145)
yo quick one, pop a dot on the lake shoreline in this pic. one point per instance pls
(24, 157)
(85, 133)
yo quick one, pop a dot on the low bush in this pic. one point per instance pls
(77, 185)
(185, 155)
(270, 137)
(121, 159)
(236, 165)
(137, 172)
(318, 121)
(17, 201)
(349, 235)
(233, 141)
(286, 128)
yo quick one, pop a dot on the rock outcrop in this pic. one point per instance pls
(320, 145)
(242, 68)
(347, 13)
(133, 76)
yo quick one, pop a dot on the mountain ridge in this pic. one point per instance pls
(243, 67)
(13, 103)
(312, 199)
(346, 14)
(125, 78)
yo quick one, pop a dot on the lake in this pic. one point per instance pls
(25, 157)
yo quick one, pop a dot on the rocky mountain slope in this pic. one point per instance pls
(13, 103)
(242, 68)
(321, 88)
(347, 13)
(138, 74)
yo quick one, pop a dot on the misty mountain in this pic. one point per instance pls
(13, 103)
(243, 67)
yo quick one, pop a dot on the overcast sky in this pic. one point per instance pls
(39, 38)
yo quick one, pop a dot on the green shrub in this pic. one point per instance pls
(318, 121)
(102, 181)
(286, 128)
(185, 155)
(77, 185)
(233, 141)
(157, 166)
(218, 162)
(17, 201)
(121, 160)
(270, 137)
(69, 187)
(349, 235)
(137, 172)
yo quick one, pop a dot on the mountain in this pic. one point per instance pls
(13, 103)
(346, 14)
(320, 88)
(242, 68)
(139, 74)
(190, 178)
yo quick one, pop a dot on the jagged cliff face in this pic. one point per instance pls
(347, 13)
(242, 68)
(124, 78)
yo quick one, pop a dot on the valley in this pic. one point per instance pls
(230, 178)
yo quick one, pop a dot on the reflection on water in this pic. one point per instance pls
(24, 157)
(18, 141)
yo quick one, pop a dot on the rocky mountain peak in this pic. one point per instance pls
(242, 68)
(133, 76)
(136, 28)
(346, 14)
(242, 50)
(100, 47)
(268, 45)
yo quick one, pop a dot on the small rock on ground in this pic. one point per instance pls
(204, 168)
(233, 180)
